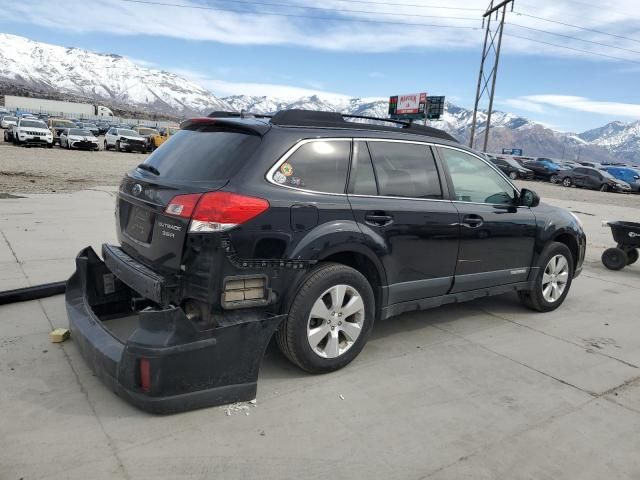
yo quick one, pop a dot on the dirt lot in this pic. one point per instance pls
(44, 170)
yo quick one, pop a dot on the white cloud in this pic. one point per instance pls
(252, 25)
(581, 104)
(523, 104)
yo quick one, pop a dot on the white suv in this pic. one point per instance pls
(32, 132)
(122, 139)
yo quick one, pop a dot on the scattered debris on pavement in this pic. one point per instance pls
(59, 335)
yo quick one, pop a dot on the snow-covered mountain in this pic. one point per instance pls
(111, 78)
(622, 139)
(40, 69)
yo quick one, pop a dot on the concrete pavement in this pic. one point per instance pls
(485, 389)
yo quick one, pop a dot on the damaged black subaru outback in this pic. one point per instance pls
(307, 225)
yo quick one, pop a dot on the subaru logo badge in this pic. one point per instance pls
(137, 189)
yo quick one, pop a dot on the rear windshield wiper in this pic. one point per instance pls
(149, 168)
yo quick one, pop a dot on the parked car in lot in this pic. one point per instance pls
(163, 135)
(79, 139)
(511, 168)
(626, 174)
(543, 168)
(148, 134)
(92, 127)
(57, 126)
(30, 132)
(592, 178)
(122, 139)
(305, 224)
(8, 121)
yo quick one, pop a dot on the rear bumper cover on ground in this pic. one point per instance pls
(189, 368)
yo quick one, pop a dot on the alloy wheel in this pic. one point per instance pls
(555, 278)
(335, 321)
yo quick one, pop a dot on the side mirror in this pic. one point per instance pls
(529, 198)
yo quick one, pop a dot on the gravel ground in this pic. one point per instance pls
(43, 170)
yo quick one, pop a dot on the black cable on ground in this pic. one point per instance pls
(32, 293)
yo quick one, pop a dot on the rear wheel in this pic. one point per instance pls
(553, 280)
(106, 145)
(329, 320)
(566, 181)
(553, 179)
(614, 258)
(513, 175)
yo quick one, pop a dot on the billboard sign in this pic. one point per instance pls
(411, 105)
(512, 151)
(435, 107)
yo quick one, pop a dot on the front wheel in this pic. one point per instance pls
(604, 187)
(553, 280)
(513, 175)
(106, 145)
(329, 319)
(118, 148)
(632, 256)
(566, 181)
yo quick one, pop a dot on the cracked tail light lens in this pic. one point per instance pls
(216, 211)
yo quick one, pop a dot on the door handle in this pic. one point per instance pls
(379, 220)
(472, 221)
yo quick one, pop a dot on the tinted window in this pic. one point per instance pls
(475, 181)
(581, 171)
(363, 179)
(405, 170)
(128, 133)
(321, 166)
(77, 131)
(200, 156)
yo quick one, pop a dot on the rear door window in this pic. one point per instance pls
(320, 165)
(200, 156)
(363, 179)
(405, 170)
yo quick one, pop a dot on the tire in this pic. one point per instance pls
(614, 258)
(319, 284)
(106, 146)
(553, 179)
(118, 149)
(632, 256)
(604, 187)
(537, 299)
(566, 182)
(50, 145)
(513, 175)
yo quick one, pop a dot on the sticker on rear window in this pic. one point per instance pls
(286, 169)
(279, 177)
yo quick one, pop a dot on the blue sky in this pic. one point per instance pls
(248, 51)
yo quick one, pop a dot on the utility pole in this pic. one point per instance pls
(487, 83)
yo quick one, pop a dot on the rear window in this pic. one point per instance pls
(200, 156)
(32, 124)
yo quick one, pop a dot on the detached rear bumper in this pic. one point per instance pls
(188, 368)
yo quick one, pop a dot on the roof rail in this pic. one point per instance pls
(314, 118)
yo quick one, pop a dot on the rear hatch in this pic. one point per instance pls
(200, 158)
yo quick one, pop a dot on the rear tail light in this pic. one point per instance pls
(216, 211)
(145, 375)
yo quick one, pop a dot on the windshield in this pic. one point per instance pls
(147, 131)
(512, 162)
(80, 132)
(32, 124)
(607, 175)
(128, 133)
(200, 156)
(10, 119)
(89, 125)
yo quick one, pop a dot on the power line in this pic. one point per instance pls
(279, 14)
(573, 38)
(535, 40)
(577, 26)
(341, 10)
(392, 4)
